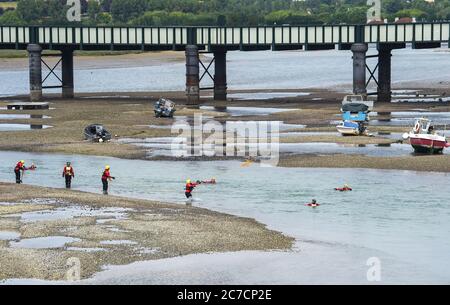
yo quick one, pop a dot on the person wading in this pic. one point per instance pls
(19, 170)
(190, 186)
(68, 174)
(106, 177)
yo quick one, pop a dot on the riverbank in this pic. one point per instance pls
(308, 116)
(18, 60)
(102, 231)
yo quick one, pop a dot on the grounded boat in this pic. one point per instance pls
(348, 128)
(164, 108)
(424, 139)
(355, 116)
(97, 133)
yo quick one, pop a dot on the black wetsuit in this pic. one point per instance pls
(17, 170)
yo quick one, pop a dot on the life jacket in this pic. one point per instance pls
(68, 171)
(106, 175)
(190, 187)
(19, 166)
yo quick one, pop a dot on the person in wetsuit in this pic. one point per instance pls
(106, 177)
(19, 170)
(190, 186)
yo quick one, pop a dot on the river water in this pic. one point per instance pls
(400, 217)
(252, 70)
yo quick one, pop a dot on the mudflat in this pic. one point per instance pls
(44, 229)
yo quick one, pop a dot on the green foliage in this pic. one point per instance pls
(11, 18)
(223, 12)
(290, 17)
(125, 10)
(412, 13)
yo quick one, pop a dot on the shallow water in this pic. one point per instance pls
(70, 212)
(386, 216)
(408, 118)
(48, 242)
(250, 70)
(265, 95)
(9, 235)
(22, 116)
(246, 111)
(20, 127)
(174, 147)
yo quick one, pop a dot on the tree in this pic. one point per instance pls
(93, 10)
(125, 10)
(30, 10)
(106, 5)
(412, 13)
(11, 18)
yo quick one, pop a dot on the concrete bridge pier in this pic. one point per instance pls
(359, 68)
(67, 73)
(34, 59)
(220, 76)
(384, 73)
(192, 75)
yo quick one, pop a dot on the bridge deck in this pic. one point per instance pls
(250, 38)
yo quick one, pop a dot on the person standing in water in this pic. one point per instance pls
(106, 177)
(19, 170)
(68, 174)
(190, 186)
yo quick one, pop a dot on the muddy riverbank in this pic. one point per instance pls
(41, 228)
(307, 117)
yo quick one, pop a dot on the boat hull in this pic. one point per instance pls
(346, 131)
(428, 145)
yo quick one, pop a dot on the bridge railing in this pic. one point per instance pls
(282, 35)
(409, 32)
(224, 36)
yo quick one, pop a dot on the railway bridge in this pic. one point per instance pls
(218, 41)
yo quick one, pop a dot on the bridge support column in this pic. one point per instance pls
(220, 77)
(192, 75)
(359, 68)
(384, 73)
(34, 57)
(67, 73)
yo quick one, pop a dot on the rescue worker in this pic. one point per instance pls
(19, 170)
(106, 177)
(346, 188)
(190, 186)
(68, 174)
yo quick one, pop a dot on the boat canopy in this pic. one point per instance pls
(355, 107)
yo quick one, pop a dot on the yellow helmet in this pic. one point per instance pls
(188, 181)
(107, 167)
(22, 161)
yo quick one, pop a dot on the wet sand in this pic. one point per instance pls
(112, 231)
(99, 60)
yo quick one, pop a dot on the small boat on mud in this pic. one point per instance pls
(355, 116)
(97, 133)
(348, 128)
(164, 108)
(424, 139)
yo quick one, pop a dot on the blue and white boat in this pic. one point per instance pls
(355, 116)
(348, 128)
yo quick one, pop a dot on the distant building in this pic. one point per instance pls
(405, 20)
